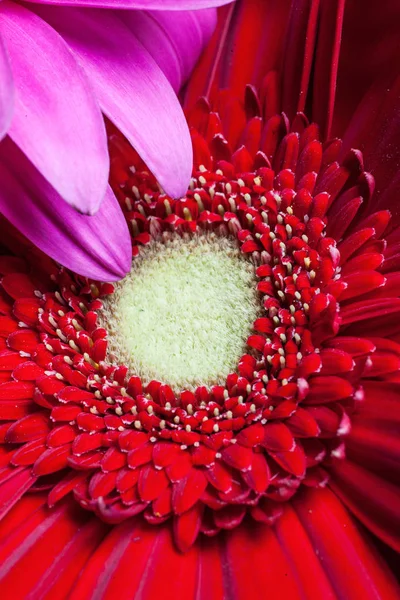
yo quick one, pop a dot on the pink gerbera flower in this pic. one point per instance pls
(61, 69)
(223, 422)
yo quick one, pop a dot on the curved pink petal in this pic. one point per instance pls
(98, 247)
(131, 89)
(190, 31)
(158, 43)
(174, 39)
(7, 91)
(142, 4)
(57, 122)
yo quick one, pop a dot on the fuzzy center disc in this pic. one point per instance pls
(184, 312)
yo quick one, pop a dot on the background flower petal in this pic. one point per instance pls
(131, 89)
(6, 91)
(299, 54)
(370, 49)
(143, 4)
(314, 551)
(326, 64)
(57, 122)
(85, 244)
(375, 130)
(174, 39)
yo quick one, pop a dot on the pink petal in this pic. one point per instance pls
(87, 245)
(6, 91)
(175, 5)
(189, 31)
(174, 39)
(132, 91)
(57, 122)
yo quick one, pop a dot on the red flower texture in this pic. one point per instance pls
(263, 484)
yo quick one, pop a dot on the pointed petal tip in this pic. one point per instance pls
(176, 187)
(7, 91)
(96, 246)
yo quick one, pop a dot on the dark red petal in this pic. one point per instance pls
(328, 389)
(188, 491)
(380, 512)
(187, 527)
(293, 461)
(259, 475)
(18, 285)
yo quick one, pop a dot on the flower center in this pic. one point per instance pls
(185, 311)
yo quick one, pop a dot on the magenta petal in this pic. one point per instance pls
(98, 247)
(190, 31)
(6, 91)
(157, 42)
(131, 89)
(57, 122)
(174, 39)
(143, 4)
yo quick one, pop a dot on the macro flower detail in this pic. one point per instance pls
(205, 455)
(223, 422)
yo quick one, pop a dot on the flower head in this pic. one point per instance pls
(250, 461)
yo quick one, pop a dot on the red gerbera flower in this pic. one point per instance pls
(201, 428)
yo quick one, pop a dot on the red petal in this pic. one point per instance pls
(10, 360)
(16, 390)
(188, 491)
(60, 436)
(259, 476)
(328, 389)
(102, 484)
(294, 461)
(152, 482)
(28, 371)
(220, 477)
(187, 527)
(278, 437)
(113, 460)
(18, 285)
(28, 453)
(26, 310)
(52, 460)
(29, 428)
(23, 340)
